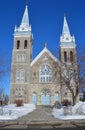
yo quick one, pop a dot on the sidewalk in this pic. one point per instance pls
(42, 125)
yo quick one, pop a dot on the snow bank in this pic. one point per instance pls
(78, 112)
(11, 112)
(79, 108)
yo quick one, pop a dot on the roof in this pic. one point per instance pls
(41, 53)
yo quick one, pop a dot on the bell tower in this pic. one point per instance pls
(68, 60)
(21, 59)
(67, 45)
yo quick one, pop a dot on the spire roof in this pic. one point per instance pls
(25, 19)
(65, 27)
(25, 27)
(66, 40)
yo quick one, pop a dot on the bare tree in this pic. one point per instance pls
(73, 75)
(4, 69)
(81, 68)
(4, 65)
(69, 79)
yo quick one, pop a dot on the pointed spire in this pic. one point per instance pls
(25, 19)
(24, 26)
(66, 40)
(65, 27)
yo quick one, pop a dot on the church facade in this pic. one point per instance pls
(38, 80)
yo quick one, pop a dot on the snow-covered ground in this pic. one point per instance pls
(11, 112)
(77, 112)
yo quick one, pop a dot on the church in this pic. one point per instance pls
(38, 80)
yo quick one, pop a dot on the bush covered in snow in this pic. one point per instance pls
(73, 112)
(19, 102)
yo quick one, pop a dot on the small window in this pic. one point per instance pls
(65, 56)
(20, 75)
(23, 57)
(71, 56)
(18, 44)
(17, 75)
(25, 44)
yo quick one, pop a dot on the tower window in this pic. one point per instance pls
(20, 75)
(18, 44)
(71, 56)
(25, 44)
(65, 56)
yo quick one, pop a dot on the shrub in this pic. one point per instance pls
(19, 102)
(57, 104)
(66, 102)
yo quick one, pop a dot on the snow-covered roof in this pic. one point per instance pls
(42, 52)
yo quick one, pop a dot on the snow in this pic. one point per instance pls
(77, 112)
(11, 112)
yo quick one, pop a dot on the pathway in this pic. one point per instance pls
(41, 113)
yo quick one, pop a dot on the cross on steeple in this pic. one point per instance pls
(27, 2)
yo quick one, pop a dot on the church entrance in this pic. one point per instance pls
(45, 97)
(34, 98)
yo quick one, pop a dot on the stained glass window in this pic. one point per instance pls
(45, 74)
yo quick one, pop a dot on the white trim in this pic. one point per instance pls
(41, 53)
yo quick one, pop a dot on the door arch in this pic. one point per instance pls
(45, 97)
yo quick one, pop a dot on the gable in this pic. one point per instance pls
(46, 53)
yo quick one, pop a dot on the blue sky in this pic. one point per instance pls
(46, 19)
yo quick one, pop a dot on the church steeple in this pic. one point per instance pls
(24, 26)
(66, 39)
(67, 45)
(65, 27)
(25, 19)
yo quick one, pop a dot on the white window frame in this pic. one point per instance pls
(23, 57)
(17, 75)
(20, 75)
(45, 74)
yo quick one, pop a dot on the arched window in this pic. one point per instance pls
(65, 56)
(23, 57)
(20, 75)
(17, 75)
(19, 92)
(17, 58)
(25, 44)
(45, 74)
(18, 44)
(71, 56)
